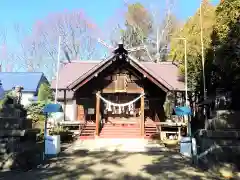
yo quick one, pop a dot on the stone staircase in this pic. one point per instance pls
(151, 131)
(118, 144)
(88, 131)
(111, 130)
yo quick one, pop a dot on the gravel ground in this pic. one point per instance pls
(113, 165)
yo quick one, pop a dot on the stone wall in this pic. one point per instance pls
(220, 146)
(225, 119)
(16, 138)
(10, 123)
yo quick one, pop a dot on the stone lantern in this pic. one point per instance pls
(17, 90)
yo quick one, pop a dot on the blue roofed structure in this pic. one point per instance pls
(30, 81)
(182, 111)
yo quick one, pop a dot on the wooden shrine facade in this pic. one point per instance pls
(99, 94)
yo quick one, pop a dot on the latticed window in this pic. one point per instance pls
(121, 83)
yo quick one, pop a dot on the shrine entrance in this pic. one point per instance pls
(120, 109)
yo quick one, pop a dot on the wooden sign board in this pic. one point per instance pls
(91, 111)
(146, 104)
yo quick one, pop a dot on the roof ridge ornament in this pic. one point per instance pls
(120, 52)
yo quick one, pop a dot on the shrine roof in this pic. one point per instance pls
(164, 72)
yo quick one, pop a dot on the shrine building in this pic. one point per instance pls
(118, 96)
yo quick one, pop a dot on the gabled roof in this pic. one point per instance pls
(167, 72)
(80, 81)
(164, 72)
(72, 71)
(28, 80)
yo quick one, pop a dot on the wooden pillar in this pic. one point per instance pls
(179, 133)
(74, 103)
(160, 131)
(159, 124)
(65, 103)
(184, 98)
(142, 123)
(97, 114)
(175, 98)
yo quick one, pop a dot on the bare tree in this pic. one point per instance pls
(39, 46)
(6, 57)
(3, 48)
(162, 31)
(21, 56)
(147, 31)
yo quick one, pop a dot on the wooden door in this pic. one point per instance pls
(80, 113)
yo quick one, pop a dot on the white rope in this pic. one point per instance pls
(119, 105)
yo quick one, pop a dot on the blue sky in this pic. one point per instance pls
(26, 12)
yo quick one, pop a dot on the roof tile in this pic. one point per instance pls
(164, 71)
(28, 80)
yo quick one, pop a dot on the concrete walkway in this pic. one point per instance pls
(114, 159)
(84, 165)
(121, 145)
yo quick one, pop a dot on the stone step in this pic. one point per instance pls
(148, 134)
(120, 134)
(87, 134)
(150, 126)
(86, 137)
(122, 125)
(150, 130)
(90, 125)
(6, 162)
(3, 150)
(121, 128)
(122, 137)
(132, 135)
(88, 130)
(3, 145)
(5, 140)
(120, 131)
(118, 144)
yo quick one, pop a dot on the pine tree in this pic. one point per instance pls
(45, 93)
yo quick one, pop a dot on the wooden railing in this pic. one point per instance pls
(158, 123)
(68, 124)
(156, 119)
(81, 127)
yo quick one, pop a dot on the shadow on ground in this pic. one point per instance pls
(113, 165)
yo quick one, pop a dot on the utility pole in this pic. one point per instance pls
(203, 58)
(186, 72)
(58, 66)
(203, 66)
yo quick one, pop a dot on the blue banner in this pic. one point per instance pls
(182, 111)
